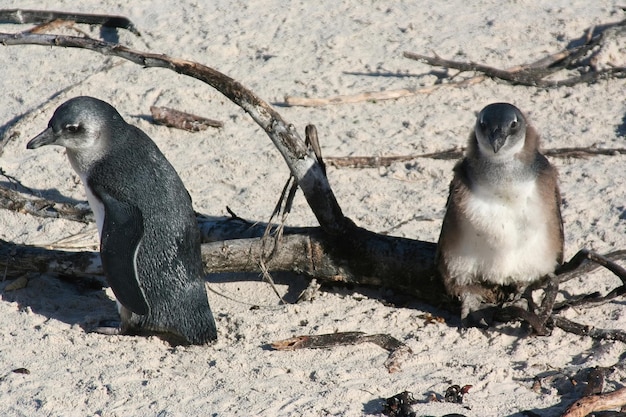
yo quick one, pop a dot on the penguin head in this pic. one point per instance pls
(500, 130)
(82, 125)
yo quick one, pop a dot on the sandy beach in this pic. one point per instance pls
(315, 50)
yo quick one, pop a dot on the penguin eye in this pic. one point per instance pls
(483, 125)
(72, 128)
(514, 124)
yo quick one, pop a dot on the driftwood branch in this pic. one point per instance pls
(374, 96)
(574, 58)
(594, 403)
(181, 120)
(40, 207)
(457, 153)
(586, 330)
(397, 350)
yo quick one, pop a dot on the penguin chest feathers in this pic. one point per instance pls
(504, 235)
(81, 162)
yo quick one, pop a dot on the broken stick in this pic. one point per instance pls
(457, 153)
(181, 120)
(397, 349)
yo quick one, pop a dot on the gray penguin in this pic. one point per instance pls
(502, 229)
(149, 237)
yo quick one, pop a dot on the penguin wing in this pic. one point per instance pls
(122, 232)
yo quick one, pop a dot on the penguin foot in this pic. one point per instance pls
(108, 327)
(482, 317)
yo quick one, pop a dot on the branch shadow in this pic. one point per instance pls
(75, 302)
(621, 129)
(51, 194)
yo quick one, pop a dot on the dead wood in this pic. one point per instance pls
(457, 153)
(578, 57)
(40, 207)
(594, 403)
(181, 120)
(396, 348)
(522, 77)
(21, 16)
(587, 330)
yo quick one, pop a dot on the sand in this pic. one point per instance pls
(309, 49)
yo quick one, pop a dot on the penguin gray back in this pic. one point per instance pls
(150, 241)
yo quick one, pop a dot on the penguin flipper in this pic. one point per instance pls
(122, 232)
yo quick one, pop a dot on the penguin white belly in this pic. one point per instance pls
(98, 211)
(96, 205)
(504, 237)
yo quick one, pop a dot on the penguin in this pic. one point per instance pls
(149, 237)
(502, 229)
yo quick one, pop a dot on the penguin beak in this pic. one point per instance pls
(497, 139)
(46, 137)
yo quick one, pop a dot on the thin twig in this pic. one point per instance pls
(457, 153)
(533, 74)
(374, 96)
(396, 348)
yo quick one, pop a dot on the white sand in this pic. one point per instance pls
(316, 49)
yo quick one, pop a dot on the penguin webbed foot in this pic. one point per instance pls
(115, 328)
(475, 312)
(482, 317)
(108, 327)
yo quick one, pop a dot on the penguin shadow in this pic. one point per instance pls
(295, 283)
(109, 34)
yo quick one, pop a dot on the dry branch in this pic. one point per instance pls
(521, 77)
(457, 153)
(15, 201)
(374, 96)
(181, 120)
(533, 74)
(397, 349)
(586, 330)
(593, 403)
